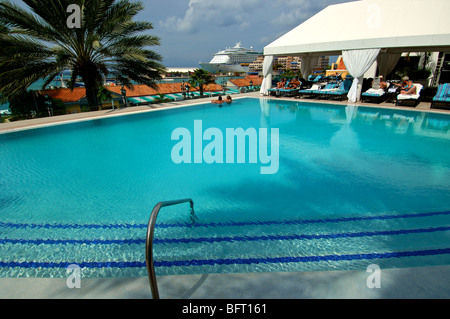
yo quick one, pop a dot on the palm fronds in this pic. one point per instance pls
(37, 43)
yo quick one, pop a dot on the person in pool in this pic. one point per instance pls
(229, 100)
(218, 101)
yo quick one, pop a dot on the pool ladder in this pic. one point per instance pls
(149, 240)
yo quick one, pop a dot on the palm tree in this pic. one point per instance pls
(38, 43)
(103, 95)
(200, 78)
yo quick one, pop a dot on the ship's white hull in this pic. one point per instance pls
(224, 68)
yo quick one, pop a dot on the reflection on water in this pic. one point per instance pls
(401, 121)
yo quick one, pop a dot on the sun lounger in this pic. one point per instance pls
(289, 92)
(340, 92)
(309, 91)
(442, 97)
(410, 99)
(373, 95)
(278, 91)
(322, 93)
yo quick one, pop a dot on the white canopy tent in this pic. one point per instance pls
(391, 27)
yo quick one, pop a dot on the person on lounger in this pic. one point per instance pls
(281, 84)
(406, 87)
(383, 85)
(295, 83)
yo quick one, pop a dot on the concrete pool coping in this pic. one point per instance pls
(400, 283)
(72, 118)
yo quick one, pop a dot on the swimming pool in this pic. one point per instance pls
(355, 186)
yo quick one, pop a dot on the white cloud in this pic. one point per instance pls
(204, 13)
(292, 17)
(295, 12)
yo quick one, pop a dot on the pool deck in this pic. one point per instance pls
(68, 118)
(408, 283)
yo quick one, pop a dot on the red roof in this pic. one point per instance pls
(69, 96)
(256, 80)
(341, 65)
(66, 95)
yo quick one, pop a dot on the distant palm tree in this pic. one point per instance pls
(103, 95)
(200, 78)
(38, 43)
(161, 97)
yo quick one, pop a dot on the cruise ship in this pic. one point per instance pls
(236, 59)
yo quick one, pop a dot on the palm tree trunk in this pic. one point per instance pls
(91, 85)
(91, 92)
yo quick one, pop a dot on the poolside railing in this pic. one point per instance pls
(149, 240)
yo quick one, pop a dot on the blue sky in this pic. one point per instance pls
(193, 30)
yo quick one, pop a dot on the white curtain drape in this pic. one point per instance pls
(357, 63)
(267, 73)
(387, 62)
(307, 65)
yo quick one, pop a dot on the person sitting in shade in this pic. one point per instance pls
(406, 87)
(281, 84)
(295, 83)
(383, 84)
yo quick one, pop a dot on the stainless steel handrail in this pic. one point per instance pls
(149, 240)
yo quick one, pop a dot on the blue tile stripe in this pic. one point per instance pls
(269, 260)
(322, 221)
(221, 239)
(223, 224)
(230, 261)
(72, 241)
(298, 237)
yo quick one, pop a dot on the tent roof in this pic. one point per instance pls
(399, 26)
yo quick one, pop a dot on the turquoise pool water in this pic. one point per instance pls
(355, 186)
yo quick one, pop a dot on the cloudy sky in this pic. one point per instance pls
(193, 30)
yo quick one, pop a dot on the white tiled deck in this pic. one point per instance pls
(407, 283)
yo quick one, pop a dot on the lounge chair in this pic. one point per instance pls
(278, 91)
(442, 97)
(373, 95)
(232, 91)
(322, 93)
(288, 92)
(309, 91)
(341, 91)
(291, 91)
(410, 99)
